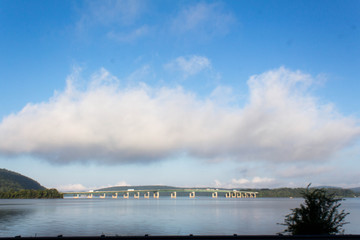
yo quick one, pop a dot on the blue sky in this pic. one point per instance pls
(185, 93)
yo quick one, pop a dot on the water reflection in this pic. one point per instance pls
(164, 216)
(10, 217)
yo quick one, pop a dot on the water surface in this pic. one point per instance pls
(163, 216)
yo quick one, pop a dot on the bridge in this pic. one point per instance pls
(156, 193)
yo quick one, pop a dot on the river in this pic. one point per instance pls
(163, 216)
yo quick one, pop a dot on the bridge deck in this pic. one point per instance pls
(162, 190)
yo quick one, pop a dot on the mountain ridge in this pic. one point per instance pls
(13, 181)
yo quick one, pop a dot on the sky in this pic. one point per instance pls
(235, 94)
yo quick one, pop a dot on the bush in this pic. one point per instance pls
(318, 215)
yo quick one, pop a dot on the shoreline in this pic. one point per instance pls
(195, 237)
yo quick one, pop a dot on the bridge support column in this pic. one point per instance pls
(90, 196)
(156, 194)
(103, 196)
(233, 195)
(214, 195)
(147, 195)
(137, 195)
(77, 196)
(115, 196)
(238, 195)
(228, 195)
(173, 195)
(126, 195)
(192, 195)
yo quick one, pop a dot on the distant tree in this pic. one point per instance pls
(30, 193)
(319, 215)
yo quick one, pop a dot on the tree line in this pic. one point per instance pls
(30, 193)
(298, 192)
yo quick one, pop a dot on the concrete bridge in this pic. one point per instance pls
(156, 193)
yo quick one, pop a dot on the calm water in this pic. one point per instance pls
(164, 216)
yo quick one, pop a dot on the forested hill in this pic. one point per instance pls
(297, 192)
(12, 181)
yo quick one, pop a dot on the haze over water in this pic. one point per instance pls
(163, 216)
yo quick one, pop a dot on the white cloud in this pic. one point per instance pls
(109, 12)
(116, 19)
(256, 182)
(281, 122)
(122, 184)
(72, 188)
(189, 65)
(223, 95)
(140, 74)
(217, 183)
(79, 187)
(262, 180)
(129, 36)
(208, 19)
(240, 181)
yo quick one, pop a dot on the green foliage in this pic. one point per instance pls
(30, 193)
(298, 192)
(318, 215)
(12, 181)
(280, 192)
(15, 185)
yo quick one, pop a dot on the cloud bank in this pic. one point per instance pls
(106, 123)
(255, 182)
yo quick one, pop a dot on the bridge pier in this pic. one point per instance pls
(192, 195)
(77, 196)
(115, 196)
(137, 195)
(103, 196)
(147, 195)
(214, 195)
(126, 195)
(173, 195)
(90, 196)
(228, 195)
(156, 194)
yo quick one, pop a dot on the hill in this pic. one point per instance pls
(356, 190)
(297, 192)
(13, 181)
